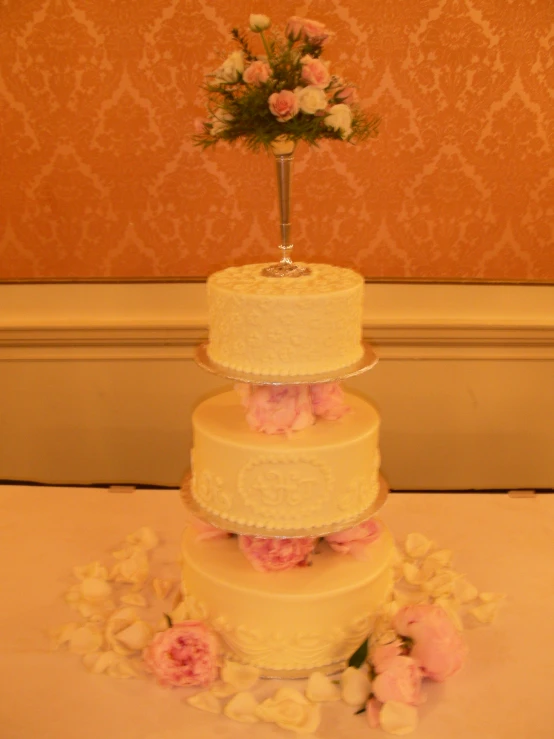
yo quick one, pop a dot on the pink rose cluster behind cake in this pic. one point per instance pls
(276, 554)
(280, 409)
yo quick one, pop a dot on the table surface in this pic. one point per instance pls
(501, 543)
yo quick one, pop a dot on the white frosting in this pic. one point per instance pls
(285, 326)
(320, 476)
(303, 618)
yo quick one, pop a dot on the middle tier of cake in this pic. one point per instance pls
(321, 476)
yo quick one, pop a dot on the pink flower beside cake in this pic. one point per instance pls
(184, 654)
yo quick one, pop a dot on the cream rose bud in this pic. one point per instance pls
(310, 99)
(259, 23)
(231, 68)
(340, 118)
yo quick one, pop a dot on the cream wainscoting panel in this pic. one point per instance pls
(97, 382)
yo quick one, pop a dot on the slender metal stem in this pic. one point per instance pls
(284, 170)
(283, 149)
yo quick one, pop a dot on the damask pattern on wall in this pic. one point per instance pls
(99, 177)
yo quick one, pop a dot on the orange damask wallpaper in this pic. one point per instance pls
(99, 177)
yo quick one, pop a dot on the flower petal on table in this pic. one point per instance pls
(417, 545)
(464, 591)
(398, 718)
(355, 687)
(162, 588)
(320, 688)
(144, 537)
(62, 635)
(291, 710)
(241, 677)
(242, 707)
(94, 589)
(93, 569)
(222, 690)
(85, 639)
(134, 599)
(205, 701)
(486, 612)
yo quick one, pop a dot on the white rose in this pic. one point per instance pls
(340, 118)
(310, 99)
(231, 67)
(259, 23)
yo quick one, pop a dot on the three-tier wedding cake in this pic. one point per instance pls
(287, 563)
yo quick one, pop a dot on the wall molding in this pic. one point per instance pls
(167, 321)
(97, 383)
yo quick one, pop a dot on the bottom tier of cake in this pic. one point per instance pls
(306, 618)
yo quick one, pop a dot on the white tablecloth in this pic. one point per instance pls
(505, 690)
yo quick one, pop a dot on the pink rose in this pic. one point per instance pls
(283, 105)
(294, 27)
(277, 409)
(313, 31)
(276, 555)
(256, 73)
(400, 681)
(328, 400)
(184, 654)
(438, 648)
(355, 541)
(347, 95)
(383, 653)
(315, 72)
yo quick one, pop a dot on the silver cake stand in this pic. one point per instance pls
(368, 360)
(235, 527)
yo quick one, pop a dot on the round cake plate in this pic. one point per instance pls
(281, 533)
(368, 360)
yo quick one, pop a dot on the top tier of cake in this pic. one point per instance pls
(285, 327)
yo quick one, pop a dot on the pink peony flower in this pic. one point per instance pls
(283, 105)
(438, 648)
(256, 73)
(315, 72)
(355, 541)
(276, 409)
(328, 400)
(383, 653)
(276, 555)
(184, 654)
(400, 681)
(313, 31)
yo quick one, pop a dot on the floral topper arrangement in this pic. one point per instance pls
(287, 93)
